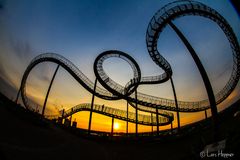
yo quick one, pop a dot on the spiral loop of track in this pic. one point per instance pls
(147, 103)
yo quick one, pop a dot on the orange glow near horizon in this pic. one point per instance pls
(116, 126)
(101, 122)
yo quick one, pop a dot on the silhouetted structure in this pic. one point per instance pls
(67, 122)
(74, 124)
(142, 102)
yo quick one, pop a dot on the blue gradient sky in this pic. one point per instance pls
(80, 30)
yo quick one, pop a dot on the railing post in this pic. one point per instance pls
(48, 91)
(176, 104)
(90, 117)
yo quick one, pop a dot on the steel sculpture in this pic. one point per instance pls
(140, 101)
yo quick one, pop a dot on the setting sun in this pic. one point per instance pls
(116, 126)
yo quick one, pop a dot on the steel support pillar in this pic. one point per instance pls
(176, 103)
(48, 91)
(136, 105)
(90, 117)
(152, 121)
(62, 116)
(71, 117)
(157, 120)
(205, 113)
(16, 100)
(205, 78)
(63, 112)
(127, 120)
(112, 129)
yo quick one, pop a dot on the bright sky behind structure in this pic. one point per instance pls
(80, 30)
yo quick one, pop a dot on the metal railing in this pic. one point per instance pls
(116, 113)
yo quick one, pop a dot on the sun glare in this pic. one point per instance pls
(116, 126)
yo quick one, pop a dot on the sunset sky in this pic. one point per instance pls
(80, 30)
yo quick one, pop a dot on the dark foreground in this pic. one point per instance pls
(23, 135)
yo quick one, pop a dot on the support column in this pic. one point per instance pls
(157, 120)
(152, 121)
(63, 113)
(171, 128)
(61, 118)
(90, 117)
(16, 100)
(71, 117)
(48, 91)
(127, 120)
(206, 81)
(112, 126)
(136, 105)
(176, 104)
(205, 114)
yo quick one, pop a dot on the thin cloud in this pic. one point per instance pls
(2, 5)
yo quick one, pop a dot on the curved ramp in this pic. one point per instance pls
(118, 114)
(148, 103)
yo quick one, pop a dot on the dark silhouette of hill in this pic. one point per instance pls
(25, 135)
(6, 88)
